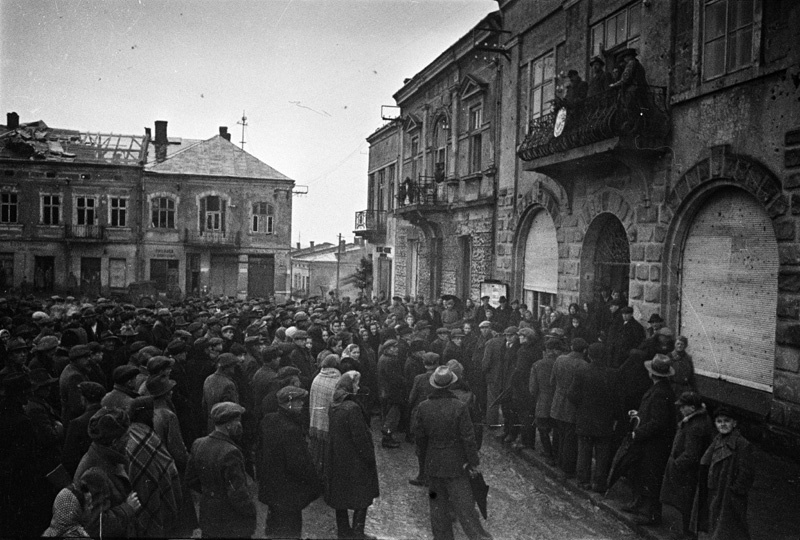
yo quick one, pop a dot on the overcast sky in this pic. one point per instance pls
(310, 74)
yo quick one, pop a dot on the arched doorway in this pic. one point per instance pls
(729, 289)
(540, 263)
(605, 257)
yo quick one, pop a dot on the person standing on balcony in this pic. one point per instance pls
(600, 79)
(633, 85)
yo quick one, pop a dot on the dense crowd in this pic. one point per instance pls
(112, 414)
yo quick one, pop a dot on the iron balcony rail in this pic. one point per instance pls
(371, 220)
(88, 232)
(418, 193)
(595, 119)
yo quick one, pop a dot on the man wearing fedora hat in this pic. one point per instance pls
(623, 335)
(654, 437)
(445, 436)
(633, 84)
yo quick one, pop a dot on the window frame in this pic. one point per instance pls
(82, 212)
(630, 39)
(9, 209)
(47, 208)
(219, 226)
(441, 144)
(119, 210)
(256, 217)
(155, 206)
(475, 138)
(726, 38)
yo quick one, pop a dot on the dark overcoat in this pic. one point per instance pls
(539, 384)
(565, 369)
(596, 398)
(216, 471)
(445, 436)
(527, 355)
(351, 473)
(654, 435)
(77, 441)
(391, 383)
(694, 434)
(730, 462)
(286, 474)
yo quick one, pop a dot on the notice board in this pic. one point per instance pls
(494, 290)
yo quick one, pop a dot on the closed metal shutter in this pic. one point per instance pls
(541, 255)
(729, 291)
(224, 274)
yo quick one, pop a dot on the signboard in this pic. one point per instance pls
(494, 290)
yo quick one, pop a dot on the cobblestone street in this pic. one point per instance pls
(523, 503)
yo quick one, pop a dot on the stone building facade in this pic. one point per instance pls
(679, 192)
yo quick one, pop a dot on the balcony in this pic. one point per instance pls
(598, 118)
(84, 232)
(415, 199)
(597, 134)
(213, 239)
(371, 225)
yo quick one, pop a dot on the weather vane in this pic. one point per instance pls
(243, 123)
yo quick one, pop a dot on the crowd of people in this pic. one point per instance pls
(111, 415)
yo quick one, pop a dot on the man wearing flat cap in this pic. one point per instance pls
(77, 440)
(216, 471)
(623, 335)
(391, 392)
(498, 361)
(444, 434)
(75, 373)
(287, 478)
(125, 388)
(300, 357)
(220, 386)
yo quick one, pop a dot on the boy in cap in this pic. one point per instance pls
(216, 471)
(288, 480)
(220, 386)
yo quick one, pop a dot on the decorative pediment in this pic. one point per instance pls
(411, 122)
(471, 86)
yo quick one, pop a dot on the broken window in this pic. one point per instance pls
(263, 220)
(119, 212)
(212, 214)
(85, 210)
(8, 208)
(163, 213)
(51, 209)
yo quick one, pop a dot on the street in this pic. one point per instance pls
(523, 503)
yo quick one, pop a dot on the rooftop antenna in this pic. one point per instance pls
(243, 123)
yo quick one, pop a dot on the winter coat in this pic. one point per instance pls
(17, 445)
(539, 384)
(654, 435)
(119, 519)
(694, 434)
(217, 388)
(216, 471)
(77, 441)
(168, 429)
(565, 369)
(683, 380)
(622, 337)
(391, 384)
(445, 436)
(119, 397)
(351, 472)
(286, 474)
(594, 394)
(300, 358)
(71, 406)
(730, 462)
(527, 355)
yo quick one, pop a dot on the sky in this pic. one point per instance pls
(310, 76)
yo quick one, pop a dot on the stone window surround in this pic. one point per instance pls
(214, 193)
(271, 214)
(96, 208)
(60, 195)
(158, 195)
(126, 209)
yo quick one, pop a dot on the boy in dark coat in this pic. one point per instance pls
(287, 478)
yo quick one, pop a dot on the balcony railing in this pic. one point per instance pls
(420, 193)
(85, 232)
(213, 238)
(597, 118)
(370, 221)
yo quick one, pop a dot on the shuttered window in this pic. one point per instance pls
(541, 256)
(729, 291)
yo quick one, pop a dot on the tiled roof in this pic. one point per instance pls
(215, 157)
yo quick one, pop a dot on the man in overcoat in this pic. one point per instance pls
(445, 436)
(392, 392)
(216, 471)
(623, 335)
(220, 386)
(653, 437)
(563, 411)
(498, 360)
(542, 389)
(287, 478)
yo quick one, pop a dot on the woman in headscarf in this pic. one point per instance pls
(320, 398)
(353, 361)
(351, 479)
(79, 504)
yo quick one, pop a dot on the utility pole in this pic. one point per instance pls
(243, 123)
(338, 262)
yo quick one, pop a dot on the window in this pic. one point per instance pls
(51, 209)
(618, 31)
(371, 202)
(163, 209)
(381, 183)
(85, 210)
(440, 152)
(727, 36)
(118, 208)
(8, 208)
(414, 153)
(212, 214)
(263, 221)
(390, 177)
(543, 85)
(475, 138)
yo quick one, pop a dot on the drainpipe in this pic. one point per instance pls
(497, 144)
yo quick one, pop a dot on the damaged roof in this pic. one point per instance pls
(37, 141)
(216, 156)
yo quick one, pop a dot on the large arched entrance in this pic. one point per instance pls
(605, 257)
(540, 263)
(729, 289)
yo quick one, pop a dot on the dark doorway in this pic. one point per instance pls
(164, 272)
(44, 273)
(90, 276)
(605, 258)
(193, 273)
(260, 276)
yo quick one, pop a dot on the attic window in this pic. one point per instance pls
(50, 174)
(86, 176)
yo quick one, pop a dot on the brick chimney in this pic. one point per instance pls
(223, 132)
(298, 245)
(12, 120)
(311, 244)
(161, 140)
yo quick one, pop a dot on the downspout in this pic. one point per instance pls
(139, 269)
(498, 141)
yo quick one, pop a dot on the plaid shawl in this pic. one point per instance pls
(154, 478)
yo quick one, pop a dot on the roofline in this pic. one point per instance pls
(214, 176)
